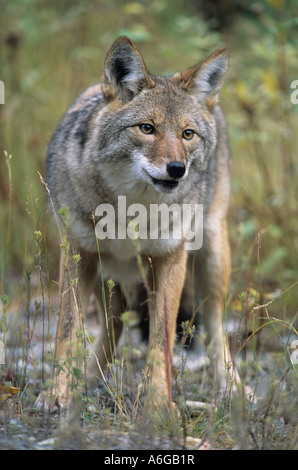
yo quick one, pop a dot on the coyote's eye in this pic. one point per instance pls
(188, 134)
(147, 129)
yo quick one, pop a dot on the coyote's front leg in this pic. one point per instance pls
(168, 280)
(212, 275)
(76, 279)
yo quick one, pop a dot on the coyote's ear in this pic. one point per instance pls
(125, 73)
(205, 80)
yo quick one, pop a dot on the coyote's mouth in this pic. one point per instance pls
(165, 184)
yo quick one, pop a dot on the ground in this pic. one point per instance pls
(111, 416)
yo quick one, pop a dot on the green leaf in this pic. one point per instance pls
(76, 372)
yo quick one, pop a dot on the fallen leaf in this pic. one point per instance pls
(7, 391)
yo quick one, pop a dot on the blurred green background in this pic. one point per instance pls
(50, 51)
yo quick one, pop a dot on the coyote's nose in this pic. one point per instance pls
(176, 169)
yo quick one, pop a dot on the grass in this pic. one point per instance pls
(49, 53)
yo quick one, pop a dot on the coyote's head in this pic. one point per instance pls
(156, 134)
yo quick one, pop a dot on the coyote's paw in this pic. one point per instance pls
(56, 399)
(52, 402)
(158, 402)
(45, 402)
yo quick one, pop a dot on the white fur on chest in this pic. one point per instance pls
(119, 256)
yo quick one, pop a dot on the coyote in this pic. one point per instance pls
(153, 140)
